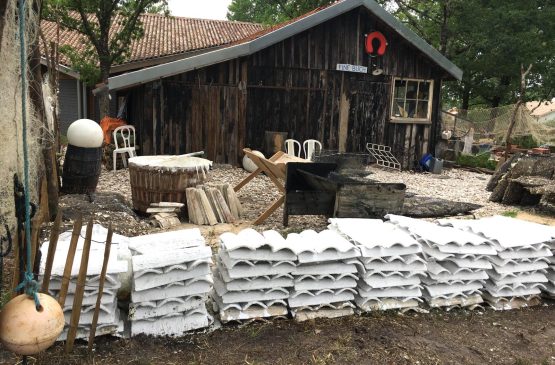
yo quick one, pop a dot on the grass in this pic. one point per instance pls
(510, 213)
(482, 161)
(284, 232)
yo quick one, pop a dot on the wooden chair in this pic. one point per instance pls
(274, 168)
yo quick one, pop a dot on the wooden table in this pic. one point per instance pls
(274, 168)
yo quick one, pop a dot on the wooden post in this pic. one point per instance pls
(69, 260)
(101, 286)
(54, 234)
(79, 289)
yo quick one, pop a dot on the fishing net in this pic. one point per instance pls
(11, 148)
(493, 124)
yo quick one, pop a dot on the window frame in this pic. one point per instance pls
(407, 120)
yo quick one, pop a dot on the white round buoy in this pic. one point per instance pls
(85, 133)
(248, 164)
(26, 331)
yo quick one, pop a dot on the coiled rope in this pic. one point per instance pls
(29, 285)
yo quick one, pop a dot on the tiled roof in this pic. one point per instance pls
(164, 36)
(546, 107)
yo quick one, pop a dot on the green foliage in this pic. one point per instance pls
(510, 213)
(488, 40)
(94, 19)
(525, 142)
(482, 161)
(271, 11)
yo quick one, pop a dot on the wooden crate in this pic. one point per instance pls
(315, 189)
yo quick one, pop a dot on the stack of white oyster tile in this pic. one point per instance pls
(325, 276)
(171, 282)
(252, 277)
(457, 262)
(109, 314)
(522, 259)
(391, 266)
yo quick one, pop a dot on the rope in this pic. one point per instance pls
(29, 285)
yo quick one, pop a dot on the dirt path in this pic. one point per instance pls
(458, 337)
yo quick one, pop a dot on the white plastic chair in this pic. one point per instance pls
(290, 147)
(127, 134)
(309, 148)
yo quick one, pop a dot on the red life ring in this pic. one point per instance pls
(370, 48)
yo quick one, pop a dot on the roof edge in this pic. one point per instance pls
(289, 30)
(414, 39)
(176, 67)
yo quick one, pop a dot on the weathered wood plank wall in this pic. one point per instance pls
(291, 87)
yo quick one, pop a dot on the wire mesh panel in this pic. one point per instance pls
(383, 156)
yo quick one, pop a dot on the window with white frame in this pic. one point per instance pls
(412, 100)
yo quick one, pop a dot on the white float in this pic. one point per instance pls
(85, 133)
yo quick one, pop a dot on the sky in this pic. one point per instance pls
(205, 9)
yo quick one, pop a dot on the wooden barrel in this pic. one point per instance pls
(81, 169)
(157, 179)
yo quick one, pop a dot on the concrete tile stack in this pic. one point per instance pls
(457, 262)
(109, 316)
(325, 278)
(252, 278)
(519, 269)
(391, 268)
(171, 282)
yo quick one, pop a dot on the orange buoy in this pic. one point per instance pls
(26, 331)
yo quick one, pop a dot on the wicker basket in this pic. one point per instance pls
(157, 179)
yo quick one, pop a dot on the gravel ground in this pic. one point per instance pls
(452, 184)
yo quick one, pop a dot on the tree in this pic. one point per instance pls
(271, 11)
(94, 19)
(489, 40)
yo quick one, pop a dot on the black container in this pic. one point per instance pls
(81, 169)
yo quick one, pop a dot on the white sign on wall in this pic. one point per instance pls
(351, 68)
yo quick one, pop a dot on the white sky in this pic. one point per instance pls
(205, 9)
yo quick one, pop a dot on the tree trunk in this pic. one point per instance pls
(48, 142)
(104, 96)
(523, 74)
(465, 98)
(443, 35)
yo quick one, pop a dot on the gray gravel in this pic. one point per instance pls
(452, 184)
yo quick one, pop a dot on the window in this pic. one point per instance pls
(412, 101)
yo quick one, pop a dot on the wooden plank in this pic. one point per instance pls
(220, 201)
(233, 202)
(206, 208)
(167, 205)
(190, 196)
(66, 276)
(272, 208)
(52, 244)
(344, 107)
(79, 289)
(218, 212)
(102, 278)
(163, 210)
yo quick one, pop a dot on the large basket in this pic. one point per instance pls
(157, 179)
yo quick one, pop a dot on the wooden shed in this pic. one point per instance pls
(321, 76)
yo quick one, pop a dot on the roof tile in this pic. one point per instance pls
(163, 36)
